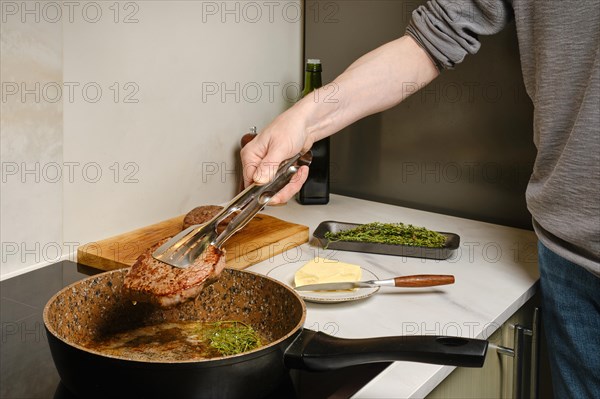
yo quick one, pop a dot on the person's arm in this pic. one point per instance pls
(375, 82)
(441, 32)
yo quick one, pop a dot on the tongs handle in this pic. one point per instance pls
(254, 198)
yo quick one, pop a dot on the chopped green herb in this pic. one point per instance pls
(232, 337)
(390, 233)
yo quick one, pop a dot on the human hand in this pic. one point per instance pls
(285, 137)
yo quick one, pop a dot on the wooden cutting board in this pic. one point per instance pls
(265, 236)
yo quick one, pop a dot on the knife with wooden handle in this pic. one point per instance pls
(418, 280)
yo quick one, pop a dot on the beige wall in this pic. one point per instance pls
(154, 97)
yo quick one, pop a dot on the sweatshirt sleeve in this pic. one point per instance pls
(449, 29)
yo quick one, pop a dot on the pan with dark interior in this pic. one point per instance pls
(92, 309)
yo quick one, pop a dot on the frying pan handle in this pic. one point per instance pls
(317, 351)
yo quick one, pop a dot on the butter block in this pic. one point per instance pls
(320, 270)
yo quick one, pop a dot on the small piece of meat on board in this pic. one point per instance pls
(204, 213)
(150, 280)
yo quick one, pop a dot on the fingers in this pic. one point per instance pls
(250, 161)
(288, 192)
(267, 168)
(263, 155)
(285, 137)
(253, 156)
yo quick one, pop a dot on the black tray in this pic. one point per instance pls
(452, 243)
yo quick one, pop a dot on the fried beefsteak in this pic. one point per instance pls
(150, 280)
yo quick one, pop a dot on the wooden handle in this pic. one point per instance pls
(246, 138)
(423, 280)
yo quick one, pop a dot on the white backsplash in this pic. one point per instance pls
(31, 206)
(156, 96)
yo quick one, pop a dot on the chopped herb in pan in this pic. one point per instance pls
(180, 341)
(390, 233)
(232, 337)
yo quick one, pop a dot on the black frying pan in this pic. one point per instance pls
(94, 307)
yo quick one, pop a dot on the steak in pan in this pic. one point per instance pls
(150, 280)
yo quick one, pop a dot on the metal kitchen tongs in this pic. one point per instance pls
(184, 248)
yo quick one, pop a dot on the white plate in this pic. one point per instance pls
(285, 273)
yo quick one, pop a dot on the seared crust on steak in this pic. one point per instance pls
(203, 214)
(150, 280)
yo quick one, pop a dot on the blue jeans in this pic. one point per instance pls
(571, 320)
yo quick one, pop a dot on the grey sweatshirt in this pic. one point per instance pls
(559, 49)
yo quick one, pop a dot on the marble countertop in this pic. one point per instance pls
(495, 269)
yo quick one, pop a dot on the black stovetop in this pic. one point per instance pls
(27, 369)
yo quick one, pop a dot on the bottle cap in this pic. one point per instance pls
(313, 65)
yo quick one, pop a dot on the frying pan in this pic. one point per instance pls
(94, 307)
